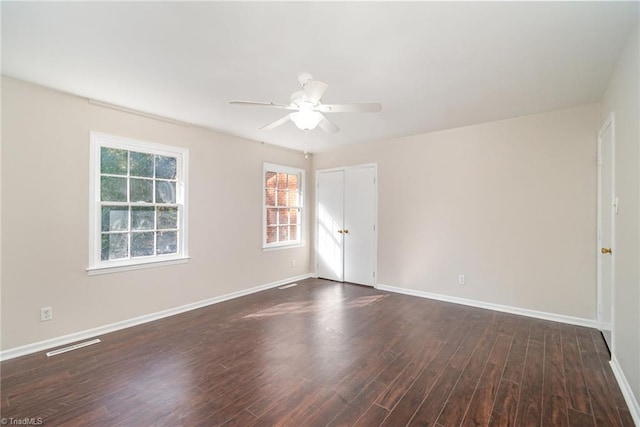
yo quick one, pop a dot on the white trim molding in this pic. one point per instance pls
(138, 112)
(625, 387)
(98, 141)
(101, 330)
(590, 323)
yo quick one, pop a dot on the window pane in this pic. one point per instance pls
(141, 164)
(142, 218)
(282, 181)
(142, 244)
(113, 189)
(283, 206)
(272, 234)
(166, 167)
(113, 161)
(283, 216)
(270, 180)
(292, 182)
(282, 198)
(115, 218)
(294, 199)
(167, 242)
(272, 217)
(136, 207)
(283, 234)
(270, 197)
(141, 190)
(165, 192)
(167, 218)
(293, 217)
(114, 246)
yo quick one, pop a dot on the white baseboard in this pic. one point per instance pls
(101, 330)
(490, 306)
(632, 402)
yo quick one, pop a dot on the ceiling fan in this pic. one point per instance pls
(307, 107)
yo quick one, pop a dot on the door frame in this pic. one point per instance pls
(608, 123)
(375, 214)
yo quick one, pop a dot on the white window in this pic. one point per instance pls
(282, 206)
(137, 196)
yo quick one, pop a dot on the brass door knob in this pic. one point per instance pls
(340, 231)
(346, 231)
(606, 250)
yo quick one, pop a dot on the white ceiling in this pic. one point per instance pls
(432, 65)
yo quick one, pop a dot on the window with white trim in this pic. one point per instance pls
(282, 205)
(138, 210)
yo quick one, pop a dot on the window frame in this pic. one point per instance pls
(96, 264)
(271, 167)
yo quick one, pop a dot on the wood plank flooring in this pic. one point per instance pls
(325, 354)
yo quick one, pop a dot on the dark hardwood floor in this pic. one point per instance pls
(325, 353)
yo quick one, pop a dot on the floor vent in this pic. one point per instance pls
(288, 286)
(72, 347)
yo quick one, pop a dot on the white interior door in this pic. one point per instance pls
(606, 224)
(346, 221)
(330, 220)
(359, 226)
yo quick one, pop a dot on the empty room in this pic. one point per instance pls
(320, 213)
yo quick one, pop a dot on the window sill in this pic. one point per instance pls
(277, 248)
(93, 271)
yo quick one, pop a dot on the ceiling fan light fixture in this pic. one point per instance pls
(306, 120)
(308, 107)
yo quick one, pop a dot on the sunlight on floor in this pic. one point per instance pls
(312, 306)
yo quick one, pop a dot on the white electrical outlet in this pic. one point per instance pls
(462, 279)
(46, 314)
(293, 263)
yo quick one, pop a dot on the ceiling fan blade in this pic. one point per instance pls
(314, 89)
(328, 126)
(263, 104)
(277, 123)
(304, 77)
(373, 107)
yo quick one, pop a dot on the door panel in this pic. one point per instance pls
(345, 228)
(606, 218)
(359, 237)
(330, 220)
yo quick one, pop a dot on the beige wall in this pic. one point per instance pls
(510, 204)
(45, 173)
(622, 98)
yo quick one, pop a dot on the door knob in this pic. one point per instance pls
(606, 250)
(340, 231)
(346, 231)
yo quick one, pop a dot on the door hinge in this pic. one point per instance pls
(599, 161)
(374, 227)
